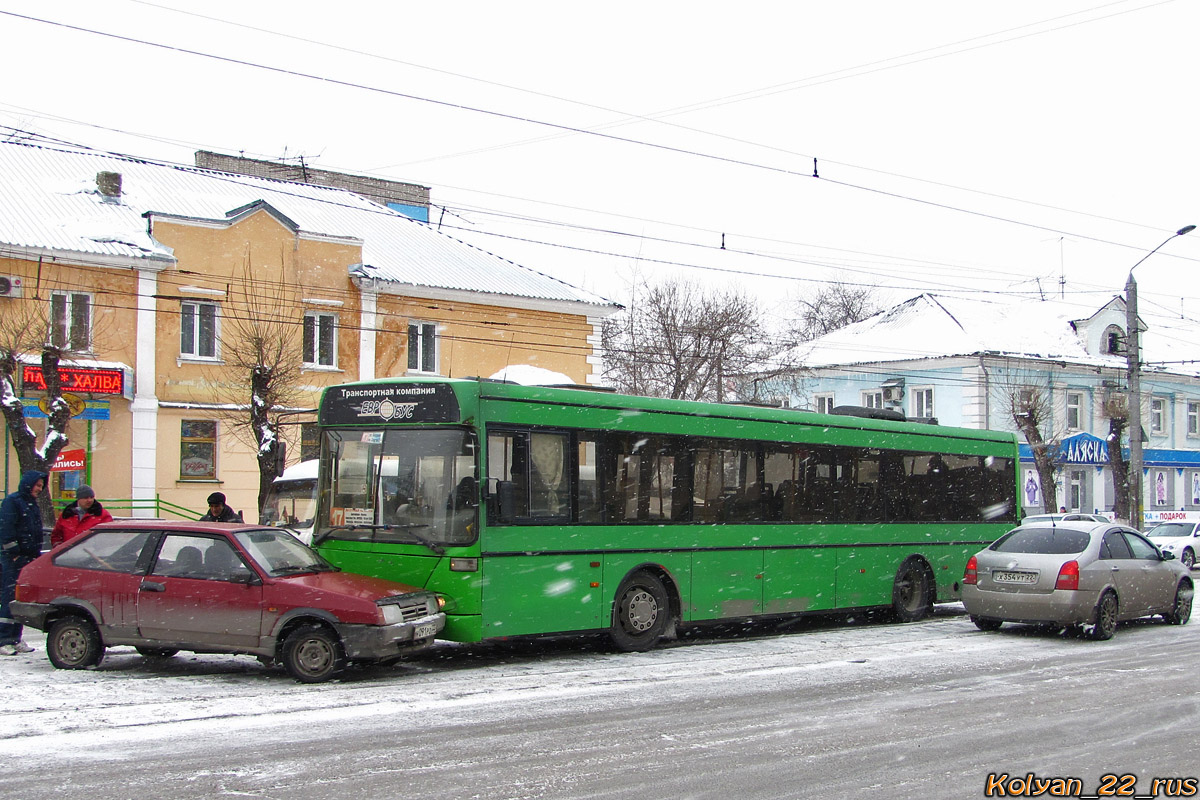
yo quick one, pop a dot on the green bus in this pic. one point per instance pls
(538, 510)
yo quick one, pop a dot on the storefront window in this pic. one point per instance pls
(198, 449)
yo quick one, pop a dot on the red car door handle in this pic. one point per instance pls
(152, 586)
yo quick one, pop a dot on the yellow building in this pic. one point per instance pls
(156, 276)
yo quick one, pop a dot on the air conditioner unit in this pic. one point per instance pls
(10, 286)
(893, 394)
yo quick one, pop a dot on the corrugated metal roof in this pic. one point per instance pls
(49, 199)
(938, 326)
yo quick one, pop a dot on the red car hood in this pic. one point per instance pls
(349, 584)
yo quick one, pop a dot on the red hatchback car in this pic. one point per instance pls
(213, 588)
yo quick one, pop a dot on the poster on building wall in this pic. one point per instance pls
(1032, 490)
(1196, 488)
(1160, 488)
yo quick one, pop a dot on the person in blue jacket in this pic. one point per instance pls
(20, 543)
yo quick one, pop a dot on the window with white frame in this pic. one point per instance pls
(1158, 415)
(1075, 411)
(422, 347)
(71, 321)
(872, 399)
(320, 339)
(1193, 418)
(198, 329)
(823, 403)
(923, 402)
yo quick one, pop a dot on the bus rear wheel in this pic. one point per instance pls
(641, 613)
(912, 591)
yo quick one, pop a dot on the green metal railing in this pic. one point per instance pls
(159, 507)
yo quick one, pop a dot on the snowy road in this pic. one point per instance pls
(828, 709)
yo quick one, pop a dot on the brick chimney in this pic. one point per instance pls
(109, 184)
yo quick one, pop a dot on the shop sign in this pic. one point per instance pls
(1083, 448)
(70, 461)
(92, 409)
(97, 380)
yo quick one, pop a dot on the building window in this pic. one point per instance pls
(1113, 342)
(310, 441)
(320, 339)
(1158, 416)
(1074, 411)
(923, 402)
(198, 330)
(824, 403)
(1193, 419)
(872, 399)
(1161, 488)
(71, 321)
(422, 347)
(198, 449)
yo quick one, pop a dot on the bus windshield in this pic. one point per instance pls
(400, 485)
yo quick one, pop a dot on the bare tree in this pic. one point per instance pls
(832, 306)
(261, 338)
(1032, 411)
(1117, 411)
(678, 341)
(25, 329)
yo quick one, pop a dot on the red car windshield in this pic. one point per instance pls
(279, 553)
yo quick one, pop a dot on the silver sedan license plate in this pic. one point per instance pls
(424, 631)
(1015, 577)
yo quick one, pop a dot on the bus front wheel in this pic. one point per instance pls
(912, 592)
(641, 613)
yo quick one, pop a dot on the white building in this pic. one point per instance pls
(962, 361)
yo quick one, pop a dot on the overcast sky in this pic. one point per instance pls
(1003, 147)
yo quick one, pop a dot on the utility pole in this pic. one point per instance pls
(1133, 357)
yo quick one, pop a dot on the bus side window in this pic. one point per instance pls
(548, 475)
(590, 507)
(508, 460)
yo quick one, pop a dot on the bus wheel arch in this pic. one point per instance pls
(645, 608)
(913, 590)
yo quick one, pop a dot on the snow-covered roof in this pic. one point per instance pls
(49, 201)
(936, 326)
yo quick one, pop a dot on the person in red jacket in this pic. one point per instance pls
(82, 514)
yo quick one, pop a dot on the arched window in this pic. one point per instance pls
(1113, 343)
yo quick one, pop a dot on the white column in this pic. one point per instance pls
(366, 336)
(145, 400)
(595, 357)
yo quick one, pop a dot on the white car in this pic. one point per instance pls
(1071, 516)
(1180, 538)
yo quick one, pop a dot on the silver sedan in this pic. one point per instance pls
(1075, 574)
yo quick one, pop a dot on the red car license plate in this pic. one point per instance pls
(424, 631)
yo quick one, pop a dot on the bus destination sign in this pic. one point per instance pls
(389, 403)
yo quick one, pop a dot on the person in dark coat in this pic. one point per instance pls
(83, 513)
(20, 543)
(218, 511)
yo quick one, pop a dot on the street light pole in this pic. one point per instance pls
(1133, 357)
